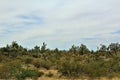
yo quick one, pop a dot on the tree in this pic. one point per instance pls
(103, 50)
(36, 51)
(43, 48)
(14, 45)
(11, 50)
(74, 49)
(114, 47)
(83, 49)
(16, 50)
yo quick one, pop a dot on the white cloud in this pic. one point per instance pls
(60, 23)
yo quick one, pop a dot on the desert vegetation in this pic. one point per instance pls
(19, 63)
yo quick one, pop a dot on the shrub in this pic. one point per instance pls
(36, 63)
(40, 74)
(28, 60)
(30, 74)
(95, 69)
(49, 74)
(45, 64)
(71, 69)
(10, 70)
(42, 63)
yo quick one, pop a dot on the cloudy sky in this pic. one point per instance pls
(59, 23)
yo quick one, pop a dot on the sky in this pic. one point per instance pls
(59, 23)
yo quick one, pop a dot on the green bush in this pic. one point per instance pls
(95, 69)
(10, 70)
(70, 69)
(28, 60)
(42, 63)
(30, 74)
(36, 63)
(45, 64)
(40, 74)
(49, 74)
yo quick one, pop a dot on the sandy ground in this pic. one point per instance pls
(44, 78)
(56, 76)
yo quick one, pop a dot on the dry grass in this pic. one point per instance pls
(54, 72)
(115, 78)
(56, 76)
(46, 78)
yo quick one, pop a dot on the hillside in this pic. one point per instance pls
(77, 63)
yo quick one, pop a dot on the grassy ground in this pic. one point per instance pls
(46, 78)
(56, 76)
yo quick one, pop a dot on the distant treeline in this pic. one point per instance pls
(15, 50)
(76, 62)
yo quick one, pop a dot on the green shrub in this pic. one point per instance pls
(28, 60)
(49, 74)
(42, 63)
(95, 69)
(36, 63)
(45, 64)
(30, 74)
(10, 70)
(40, 74)
(70, 69)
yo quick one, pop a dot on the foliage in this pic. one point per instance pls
(10, 70)
(75, 62)
(28, 60)
(36, 63)
(29, 73)
(71, 69)
(49, 74)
